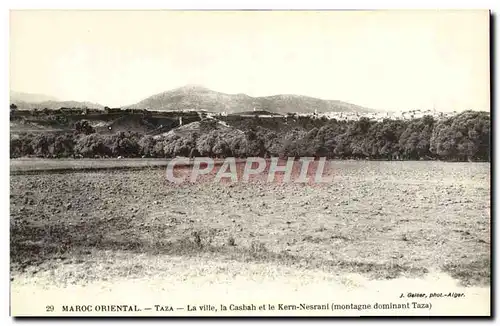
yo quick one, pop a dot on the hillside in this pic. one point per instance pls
(199, 127)
(193, 97)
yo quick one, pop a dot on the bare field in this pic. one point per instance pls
(383, 220)
(20, 165)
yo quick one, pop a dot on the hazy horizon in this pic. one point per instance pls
(384, 60)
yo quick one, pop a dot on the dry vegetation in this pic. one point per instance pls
(380, 219)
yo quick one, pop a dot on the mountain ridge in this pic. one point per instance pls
(195, 97)
(30, 97)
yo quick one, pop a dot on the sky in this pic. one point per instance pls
(385, 60)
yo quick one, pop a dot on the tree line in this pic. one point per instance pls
(463, 137)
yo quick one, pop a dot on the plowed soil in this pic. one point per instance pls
(382, 220)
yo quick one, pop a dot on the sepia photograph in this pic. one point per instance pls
(276, 163)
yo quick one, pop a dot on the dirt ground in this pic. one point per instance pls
(379, 220)
(32, 165)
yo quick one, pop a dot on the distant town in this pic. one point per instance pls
(346, 116)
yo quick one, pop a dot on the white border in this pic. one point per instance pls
(253, 4)
(191, 5)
